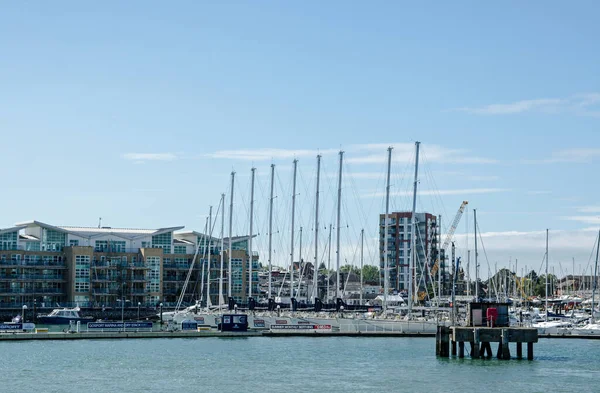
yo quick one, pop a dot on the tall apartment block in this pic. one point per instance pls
(96, 266)
(399, 236)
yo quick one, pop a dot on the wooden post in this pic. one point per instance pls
(519, 350)
(453, 348)
(505, 346)
(461, 349)
(475, 345)
(442, 342)
(438, 341)
(529, 351)
(488, 349)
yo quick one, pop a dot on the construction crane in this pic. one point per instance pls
(449, 235)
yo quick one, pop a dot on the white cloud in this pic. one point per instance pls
(266, 154)
(589, 209)
(573, 155)
(585, 104)
(529, 248)
(584, 219)
(368, 153)
(482, 177)
(141, 157)
(405, 153)
(465, 192)
(536, 240)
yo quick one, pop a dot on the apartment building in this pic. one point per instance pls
(100, 266)
(399, 243)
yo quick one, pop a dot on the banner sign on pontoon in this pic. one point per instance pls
(300, 327)
(119, 325)
(11, 326)
(189, 325)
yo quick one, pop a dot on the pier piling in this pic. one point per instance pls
(530, 351)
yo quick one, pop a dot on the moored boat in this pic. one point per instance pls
(63, 316)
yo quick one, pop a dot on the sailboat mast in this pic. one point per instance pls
(300, 264)
(230, 235)
(328, 261)
(315, 267)
(222, 250)
(204, 253)
(208, 259)
(362, 245)
(271, 232)
(292, 231)
(439, 272)
(546, 275)
(251, 261)
(386, 267)
(476, 264)
(339, 213)
(413, 237)
(595, 277)
(468, 267)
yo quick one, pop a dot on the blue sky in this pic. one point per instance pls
(138, 112)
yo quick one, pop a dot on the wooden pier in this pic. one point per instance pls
(480, 340)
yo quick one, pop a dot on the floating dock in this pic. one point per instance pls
(122, 335)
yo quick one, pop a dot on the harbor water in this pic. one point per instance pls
(290, 364)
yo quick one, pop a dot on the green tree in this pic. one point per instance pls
(371, 274)
(539, 289)
(350, 269)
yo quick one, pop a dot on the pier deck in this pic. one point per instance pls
(480, 339)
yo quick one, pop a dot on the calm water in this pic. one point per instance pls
(257, 364)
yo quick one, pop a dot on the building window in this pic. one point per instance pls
(110, 246)
(82, 286)
(53, 240)
(32, 246)
(179, 250)
(8, 241)
(164, 241)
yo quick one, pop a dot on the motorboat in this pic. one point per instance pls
(63, 316)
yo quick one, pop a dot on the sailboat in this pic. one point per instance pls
(592, 328)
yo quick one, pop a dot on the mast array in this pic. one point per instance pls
(339, 212)
(271, 232)
(595, 277)
(230, 235)
(316, 264)
(546, 305)
(413, 237)
(250, 236)
(222, 250)
(292, 231)
(386, 267)
(476, 255)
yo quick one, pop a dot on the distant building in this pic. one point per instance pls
(97, 266)
(399, 235)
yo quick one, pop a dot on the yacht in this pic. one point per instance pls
(63, 316)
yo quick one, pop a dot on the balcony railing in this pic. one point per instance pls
(30, 277)
(22, 262)
(38, 291)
